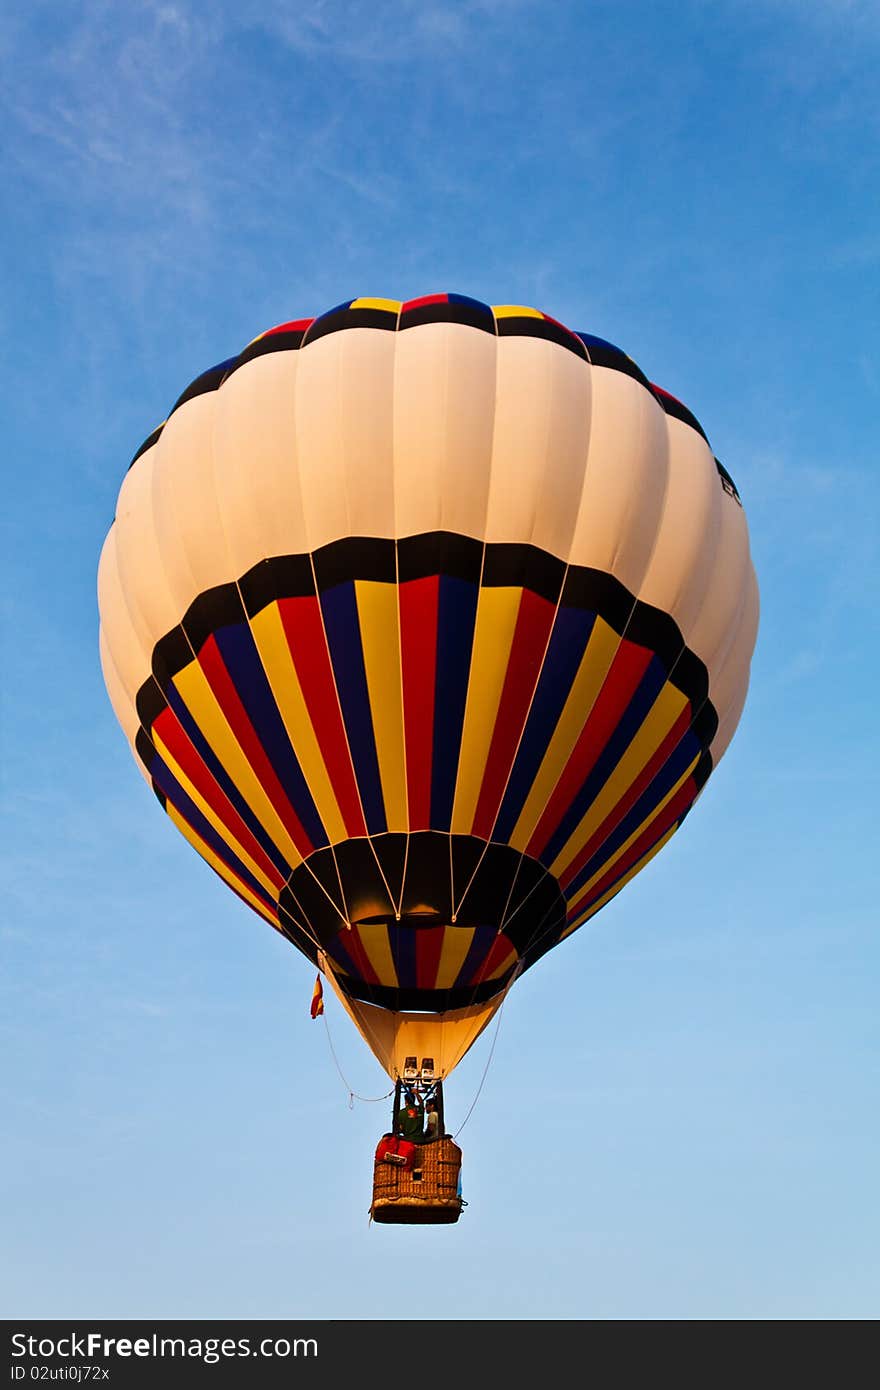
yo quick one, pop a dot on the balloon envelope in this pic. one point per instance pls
(427, 624)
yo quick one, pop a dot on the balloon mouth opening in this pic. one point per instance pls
(432, 922)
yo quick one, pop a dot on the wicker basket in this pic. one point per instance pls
(426, 1194)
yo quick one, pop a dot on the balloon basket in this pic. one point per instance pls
(423, 1192)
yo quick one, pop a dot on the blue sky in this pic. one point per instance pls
(680, 1119)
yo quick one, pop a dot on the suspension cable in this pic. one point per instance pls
(352, 1095)
(491, 1053)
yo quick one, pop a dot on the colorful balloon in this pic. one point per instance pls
(427, 623)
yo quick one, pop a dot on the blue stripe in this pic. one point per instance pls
(466, 299)
(167, 783)
(590, 340)
(403, 952)
(571, 633)
(337, 950)
(339, 606)
(684, 753)
(631, 720)
(242, 660)
(456, 616)
(223, 780)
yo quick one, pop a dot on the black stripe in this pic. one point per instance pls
(439, 552)
(472, 315)
(296, 935)
(594, 591)
(170, 655)
(701, 774)
(705, 724)
(282, 576)
(523, 566)
(149, 703)
(651, 627)
(391, 852)
(148, 443)
(427, 883)
(544, 941)
(212, 610)
(349, 318)
(145, 750)
(536, 905)
(355, 557)
(679, 411)
(482, 897)
(270, 342)
(527, 327)
(364, 888)
(422, 1000)
(603, 354)
(208, 381)
(727, 482)
(309, 903)
(689, 675)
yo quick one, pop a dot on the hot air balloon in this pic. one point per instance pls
(427, 623)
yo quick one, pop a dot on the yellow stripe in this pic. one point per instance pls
(212, 818)
(613, 891)
(660, 719)
(497, 611)
(374, 939)
(392, 306)
(211, 858)
(515, 311)
(193, 688)
(380, 639)
(640, 830)
(268, 631)
(456, 944)
(595, 663)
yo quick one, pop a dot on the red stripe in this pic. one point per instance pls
(227, 697)
(169, 729)
(626, 803)
(304, 630)
(429, 948)
(295, 326)
(498, 952)
(355, 948)
(649, 837)
(426, 299)
(418, 647)
(533, 623)
(564, 326)
(621, 682)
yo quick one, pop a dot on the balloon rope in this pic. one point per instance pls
(352, 1095)
(489, 1058)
